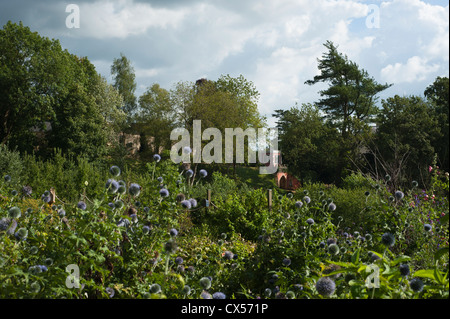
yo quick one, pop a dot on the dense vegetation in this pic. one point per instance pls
(152, 235)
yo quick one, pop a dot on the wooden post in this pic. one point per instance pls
(208, 199)
(269, 198)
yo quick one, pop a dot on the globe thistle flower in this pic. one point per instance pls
(404, 270)
(170, 247)
(48, 261)
(110, 291)
(427, 227)
(155, 288)
(219, 295)
(46, 198)
(156, 158)
(388, 239)
(186, 204)
(205, 295)
(118, 204)
(191, 269)
(203, 173)
(134, 189)
(268, 292)
(35, 287)
(228, 255)
(114, 170)
(193, 202)
(122, 189)
(322, 244)
(286, 262)
(43, 268)
(62, 213)
(81, 205)
(310, 221)
(7, 178)
(186, 290)
(331, 207)
(160, 179)
(298, 204)
(33, 250)
(325, 286)
(387, 178)
(205, 282)
(307, 200)
(14, 193)
(399, 195)
(21, 234)
(164, 193)
(333, 249)
(27, 190)
(290, 294)
(14, 212)
(112, 186)
(180, 197)
(173, 232)
(189, 173)
(416, 284)
(145, 230)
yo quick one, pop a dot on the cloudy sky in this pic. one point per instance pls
(273, 43)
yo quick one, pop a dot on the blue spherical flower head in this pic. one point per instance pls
(267, 292)
(331, 207)
(290, 294)
(21, 234)
(189, 173)
(205, 295)
(228, 255)
(134, 189)
(186, 290)
(178, 260)
(286, 262)
(62, 213)
(186, 204)
(399, 195)
(404, 270)
(333, 249)
(219, 295)
(307, 199)
(118, 204)
(112, 186)
(205, 282)
(110, 292)
(114, 170)
(203, 173)
(325, 286)
(298, 204)
(164, 193)
(388, 239)
(81, 205)
(193, 202)
(155, 288)
(14, 212)
(173, 232)
(7, 178)
(427, 227)
(156, 158)
(416, 284)
(146, 229)
(310, 221)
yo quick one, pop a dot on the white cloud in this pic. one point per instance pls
(120, 19)
(416, 69)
